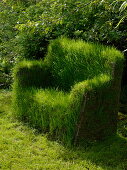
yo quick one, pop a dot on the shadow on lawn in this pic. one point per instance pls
(111, 153)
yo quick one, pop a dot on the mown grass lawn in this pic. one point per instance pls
(22, 148)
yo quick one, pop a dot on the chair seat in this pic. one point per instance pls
(52, 106)
(52, 99)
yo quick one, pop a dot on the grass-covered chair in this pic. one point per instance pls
(73, 94)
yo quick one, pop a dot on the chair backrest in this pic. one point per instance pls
(72, 61)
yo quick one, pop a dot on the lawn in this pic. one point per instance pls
(23, 148)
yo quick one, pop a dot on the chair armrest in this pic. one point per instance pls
(32, 74)
(95, 104)
(82, 88)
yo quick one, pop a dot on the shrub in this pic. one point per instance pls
(54, 18)
(27, 26)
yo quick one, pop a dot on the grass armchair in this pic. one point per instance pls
(73, 94)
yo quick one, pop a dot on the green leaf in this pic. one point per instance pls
(123, 6)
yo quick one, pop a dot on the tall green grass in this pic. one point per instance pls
(72, 61)
(54, 111)
(76, 73)
(32, 74)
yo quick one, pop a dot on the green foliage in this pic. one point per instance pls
(106, 27)
(5, 77)
(10, 14)
(27, 26)
(55, 111)
(20, 2)
(31, 46)
(38, 21)
(54, 18)
(122, 124)
(8, 57)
